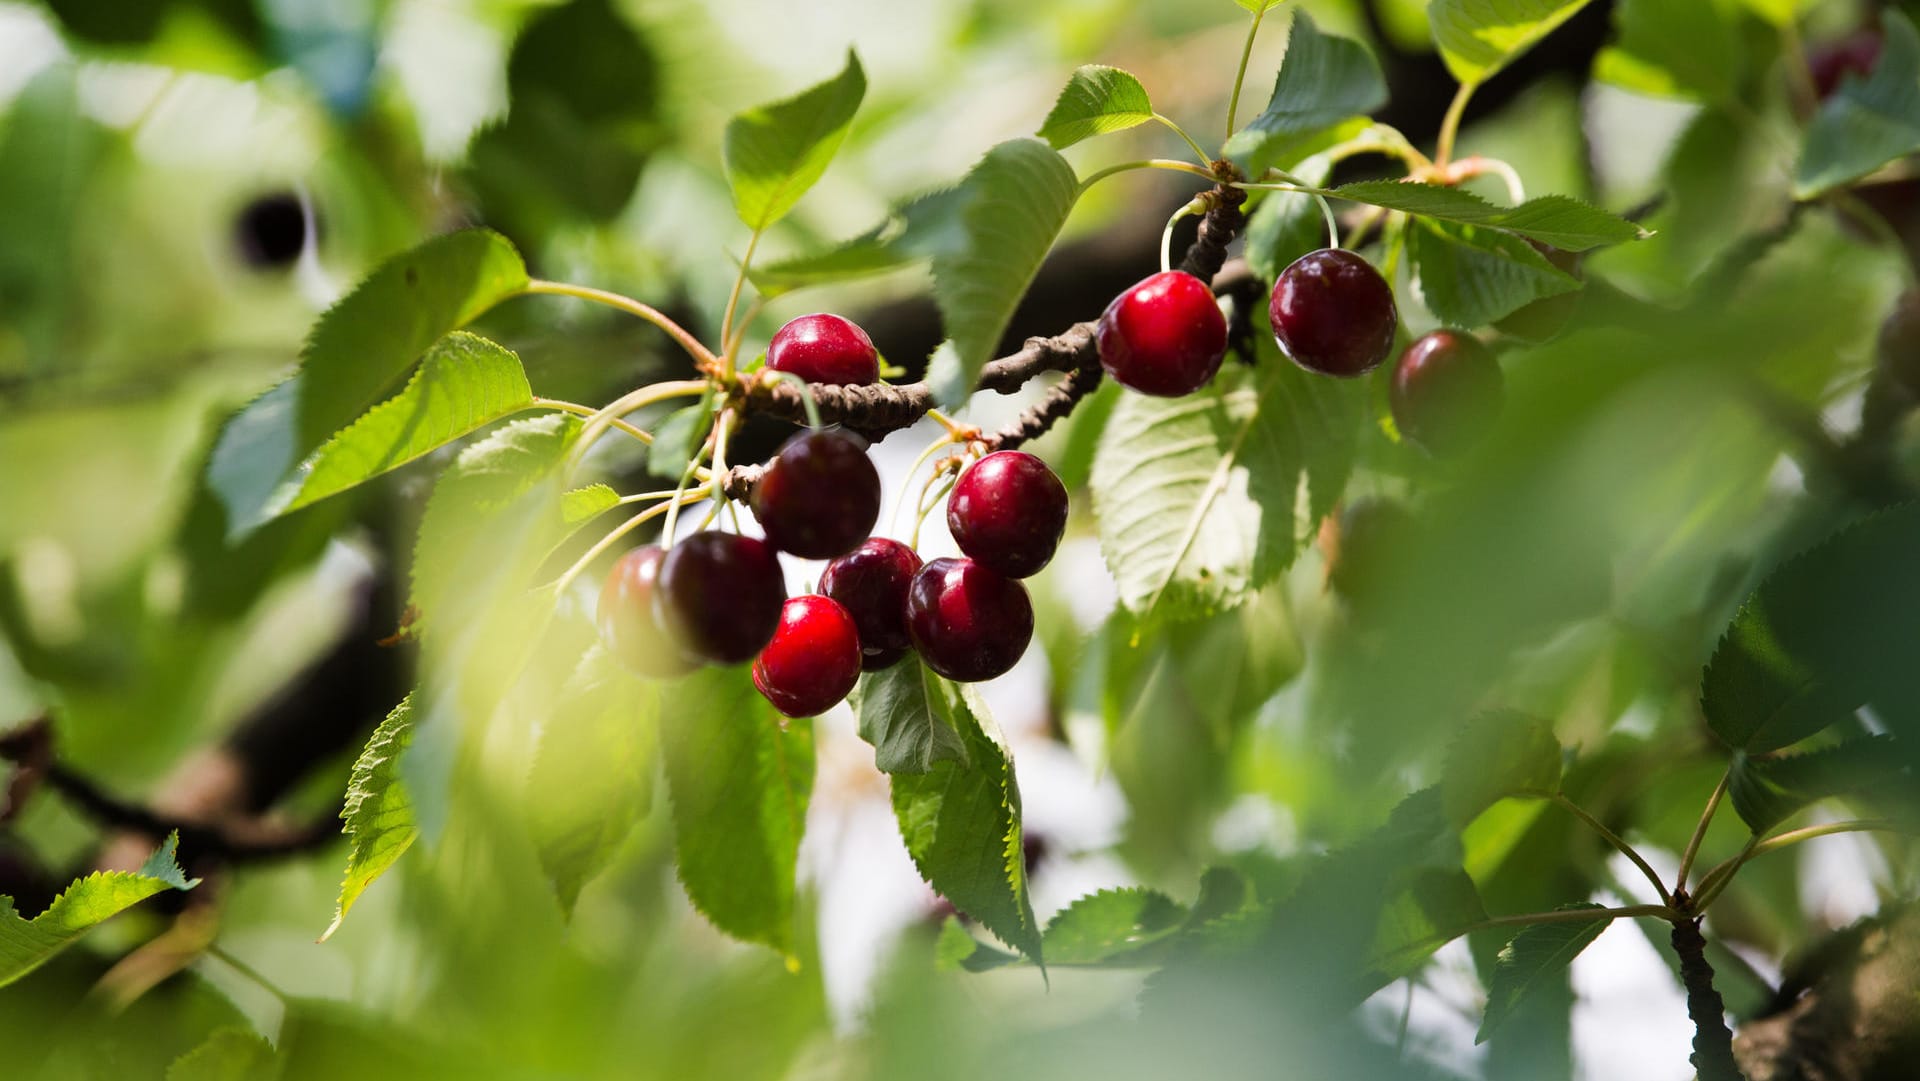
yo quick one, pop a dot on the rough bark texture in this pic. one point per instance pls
(1712, 1041)
(1848, 1011)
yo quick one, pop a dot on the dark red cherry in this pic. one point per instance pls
(813, 660)
(1333, 313)
(871, 582)
(824, 348)
(1008, 512)
(820, 495)
(969, 622)
(629, 628)
(720, 595)
(1831, 62)
(1164, 336)
(1447, 390)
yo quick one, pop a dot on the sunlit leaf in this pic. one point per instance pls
(1096, 100)
(1012, 206)
(228, 1054)
(775, 152)
(918, 229)
(378, 813)
(1470, 276)
(1498, 753)
(1558, 220)
(27, 944)
(1479, 37)
(1324, 82)
(1690, 51)
(1537, 951)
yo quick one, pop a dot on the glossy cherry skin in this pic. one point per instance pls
(629, 628)
(969, 622)
(720, 596)
(1333, 313)
(813, 660)
(823, 348)
(1165, 336)
(1447, 390)
(820, 494)
(871, 583)
(1007, 512)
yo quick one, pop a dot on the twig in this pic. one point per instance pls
(1712, 1040)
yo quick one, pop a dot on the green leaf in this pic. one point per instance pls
(679, 438)
(1499, 753)
(1257, 6)
(1287, 224)
(1828, 631)
(1113, 926)
(740, 777)
(592, 775)
(465, 383)
(1197, 498)
(378, 812)
(957, 949)
(1479, 37)
(775, 152)
(1539, 950)
(1558, 220)
(358, 351)
(1867, 122)
(1012, 205)
(1324, 83)
(1690, 51)
(1096, 100)
(903, 712)
(1768, 791)
(228, 1054)
(587, 502)
(1780, 13)
(961, 824)
(918, 229)
(1432, 906)
(1470, 276)
(27, 944)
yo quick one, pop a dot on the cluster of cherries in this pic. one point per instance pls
(720, 598)
(1333, 314)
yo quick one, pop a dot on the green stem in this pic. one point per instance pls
(806, 396)
(1700, 830)
(1240, 76)
(1450, 125)
(1149, 163)
(1166, 235)
(906, 482)
(579, 410)
(678, 333)
(566, 578)
(1614, 839)
(1531, 919)
(686, 478)
(1716, 881)
(733, 301)
(639, 398)
(1199, 151)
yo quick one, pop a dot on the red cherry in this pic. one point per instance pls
(628, 626)
(720, 595)
(820, 494)
(1008, 512)
(1165, 336)
(1333, 313)
(822, 348)
(1447, 390)
(813, 660)
(969, 622)
(871, 582)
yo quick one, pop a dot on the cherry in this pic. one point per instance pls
(629, 627)
(1447, 389)
(820, 495)
(1333, 313)
(1830, 63)
(1008, 512)
(871, 582)
(813, 660)
(1543, 319)
(822, 348)
(969, 622)
(1165, 336)
(719, 595)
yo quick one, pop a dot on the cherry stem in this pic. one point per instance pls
(1450, 125)
(1149, 163)
(732, 350)
(900, 499)
(957, 431)
(926, 505)
(1205, 158)
(733, 301)
(1197, 206)
(668, 508)
(1297, 186)
(1531, 919)
(1616, 841)
(1700, 831)
(806, 394)
(579, 410)
(700, 354)
(640, 398)
(1240, 76)
(1714, 882)
(686, 477)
